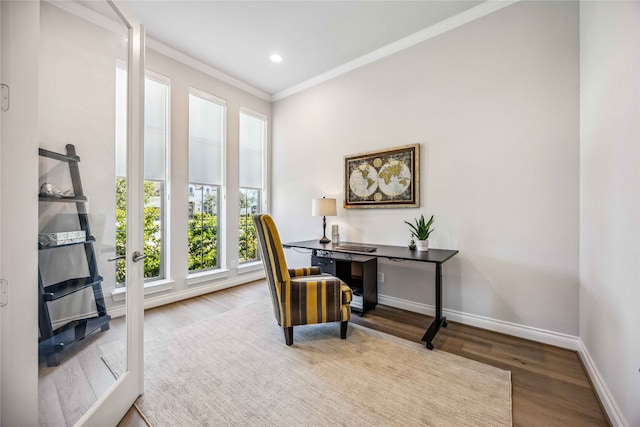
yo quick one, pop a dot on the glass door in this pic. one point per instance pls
(75, 158)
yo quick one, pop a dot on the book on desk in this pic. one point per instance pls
(357, 248)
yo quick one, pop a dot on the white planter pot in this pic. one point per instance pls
(422, 245)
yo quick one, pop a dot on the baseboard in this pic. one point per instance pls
(614, 413)
(569, 342)
(522, 331)
(193, 291)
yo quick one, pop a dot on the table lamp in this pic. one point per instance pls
(323, 207)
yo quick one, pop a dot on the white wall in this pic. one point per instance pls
(610, 198)
(494, 104)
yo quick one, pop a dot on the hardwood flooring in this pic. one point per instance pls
(549, 385)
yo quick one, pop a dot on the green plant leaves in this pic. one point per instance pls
(421, 229)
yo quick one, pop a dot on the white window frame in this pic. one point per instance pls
(165, 261)
(163, 283)
(251, 266)
(202, 276)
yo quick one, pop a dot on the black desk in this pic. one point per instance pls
(435, 256)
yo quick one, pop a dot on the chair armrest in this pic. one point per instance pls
(306, 271)
(333, 286)
(347, 295)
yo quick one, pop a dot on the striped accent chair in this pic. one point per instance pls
(300, 296)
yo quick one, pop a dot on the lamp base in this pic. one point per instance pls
(324, 231)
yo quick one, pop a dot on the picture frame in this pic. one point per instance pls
(387, 178)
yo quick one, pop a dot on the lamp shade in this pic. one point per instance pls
(323, 207)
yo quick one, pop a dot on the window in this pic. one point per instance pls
(252, 171)
(206, 145)
(156, 138)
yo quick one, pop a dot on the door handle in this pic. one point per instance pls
(137, 256)
(116, 258)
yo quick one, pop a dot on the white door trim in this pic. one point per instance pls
(19, 211)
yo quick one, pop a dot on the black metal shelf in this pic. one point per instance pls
(72, 332)
(63, 199)
(90, 239)
(58, 156)
(67, 287)
(54, 341)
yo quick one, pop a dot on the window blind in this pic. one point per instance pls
(121, 123)
(252, 137)
(206, 132)
(155, 129)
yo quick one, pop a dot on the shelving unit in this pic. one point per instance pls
(360, 272)
(53, 341)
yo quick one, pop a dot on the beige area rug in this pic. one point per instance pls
(235, 370)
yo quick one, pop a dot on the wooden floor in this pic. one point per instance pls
(550, 385)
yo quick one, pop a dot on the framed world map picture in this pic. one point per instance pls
(383, 179)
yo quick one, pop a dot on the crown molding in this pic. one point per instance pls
(441, 27)
(92, 16)
(402, 44)
(207, 69)
(104, 22)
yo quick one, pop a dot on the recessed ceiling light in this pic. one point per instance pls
(275, 57)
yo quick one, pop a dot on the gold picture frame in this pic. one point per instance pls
(383, 179)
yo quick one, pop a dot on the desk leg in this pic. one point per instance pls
(439, 321)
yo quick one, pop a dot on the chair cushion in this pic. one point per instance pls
(315, 299)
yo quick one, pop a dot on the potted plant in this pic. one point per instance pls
(421, 231)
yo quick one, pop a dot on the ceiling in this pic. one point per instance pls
(313, 37)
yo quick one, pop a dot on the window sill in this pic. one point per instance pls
(206, 276)
(120, 294)
(250, 267)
